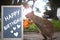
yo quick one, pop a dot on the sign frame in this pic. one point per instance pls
(2, 38)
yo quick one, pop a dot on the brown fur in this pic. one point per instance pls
(43, 24)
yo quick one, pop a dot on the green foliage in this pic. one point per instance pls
(56, 24)
(32, 28)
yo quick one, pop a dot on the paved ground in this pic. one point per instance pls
(37, 36)
(33, 36)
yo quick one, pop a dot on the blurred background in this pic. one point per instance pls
(50, 9)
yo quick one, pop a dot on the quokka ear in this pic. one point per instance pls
(32, 12)
(25, 5)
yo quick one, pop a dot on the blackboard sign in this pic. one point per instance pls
(12, 22)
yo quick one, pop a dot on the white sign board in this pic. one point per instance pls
(12, 28)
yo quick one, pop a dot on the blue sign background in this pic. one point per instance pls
(11, 32)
